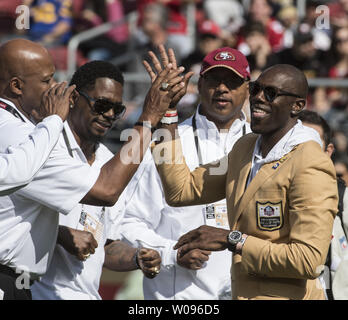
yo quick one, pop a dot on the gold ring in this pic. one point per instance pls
(157, 270)
(164, 85)
(86, 256)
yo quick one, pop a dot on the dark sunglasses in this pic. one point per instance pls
(269, 92)
(101, 106)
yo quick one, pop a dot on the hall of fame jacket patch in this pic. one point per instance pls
(269, 215)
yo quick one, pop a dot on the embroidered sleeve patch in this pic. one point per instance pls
(269, 215)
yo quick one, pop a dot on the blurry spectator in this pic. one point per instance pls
(256, 48)
(208, 39)
(288, 16)
(341, 143)
(177, 23)
(97, 12)
(341, 166)
(227, 14)
(151, 33)
(321, 36)
(333, 102)
(339, 13)
(302, 55)
(262, 11)
(339, 97)
(51, 21)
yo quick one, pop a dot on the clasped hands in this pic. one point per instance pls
(195, 246)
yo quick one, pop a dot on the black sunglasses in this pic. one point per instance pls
(269, 92)
(101, 106)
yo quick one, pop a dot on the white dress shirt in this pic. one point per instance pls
(29, 216)
(150, 222)
(68, 278)
(19, 163)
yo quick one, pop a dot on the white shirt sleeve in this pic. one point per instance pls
(22, 162)
(143, 215)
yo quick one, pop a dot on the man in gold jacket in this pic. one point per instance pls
(281, 194)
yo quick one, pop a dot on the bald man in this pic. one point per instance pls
(29, 217)
(281, 195)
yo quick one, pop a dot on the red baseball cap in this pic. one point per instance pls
(228, 58)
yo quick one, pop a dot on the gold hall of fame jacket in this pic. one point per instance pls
(287, 210)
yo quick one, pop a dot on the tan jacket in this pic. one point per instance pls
(287, 210)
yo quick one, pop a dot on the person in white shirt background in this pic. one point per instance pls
(72, 274)
(29, 219)
(207, 136)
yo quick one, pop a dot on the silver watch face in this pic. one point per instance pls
(234, 237)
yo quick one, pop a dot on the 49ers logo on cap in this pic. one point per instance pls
(224, 55)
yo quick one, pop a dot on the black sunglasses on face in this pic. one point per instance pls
(269, 92)
(101, 106)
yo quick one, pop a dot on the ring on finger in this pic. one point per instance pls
(164, 86)
(86, 256)
(157, 270)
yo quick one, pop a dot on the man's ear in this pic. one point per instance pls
(330, 149)
(297, 107)
(16, 86)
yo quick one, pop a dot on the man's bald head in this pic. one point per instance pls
(18, 58)
(26, 72)
(278, 97)
(289, 77)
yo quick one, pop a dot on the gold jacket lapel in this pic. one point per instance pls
(266, 171)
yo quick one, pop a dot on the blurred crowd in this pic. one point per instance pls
(266, 31)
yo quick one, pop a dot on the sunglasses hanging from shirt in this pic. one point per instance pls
(102, 106)
(10, 109)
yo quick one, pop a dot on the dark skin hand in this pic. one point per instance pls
(76, 242)
(193, 259)
(55, 100)
(203, 238)
(119, 256)
(166, 58)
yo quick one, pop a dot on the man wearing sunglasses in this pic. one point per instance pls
(73, 274)
(281, 195)
(29, 219)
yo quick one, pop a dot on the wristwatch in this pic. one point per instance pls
(233, 238)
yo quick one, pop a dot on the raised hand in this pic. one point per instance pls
(55, 100)
(166, 58)
(158, 99)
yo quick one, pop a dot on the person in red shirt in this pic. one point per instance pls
(261, 11)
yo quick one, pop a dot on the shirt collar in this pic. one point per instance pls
(205, 124)
(296, 135)
(14, 106)
(75, 148)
